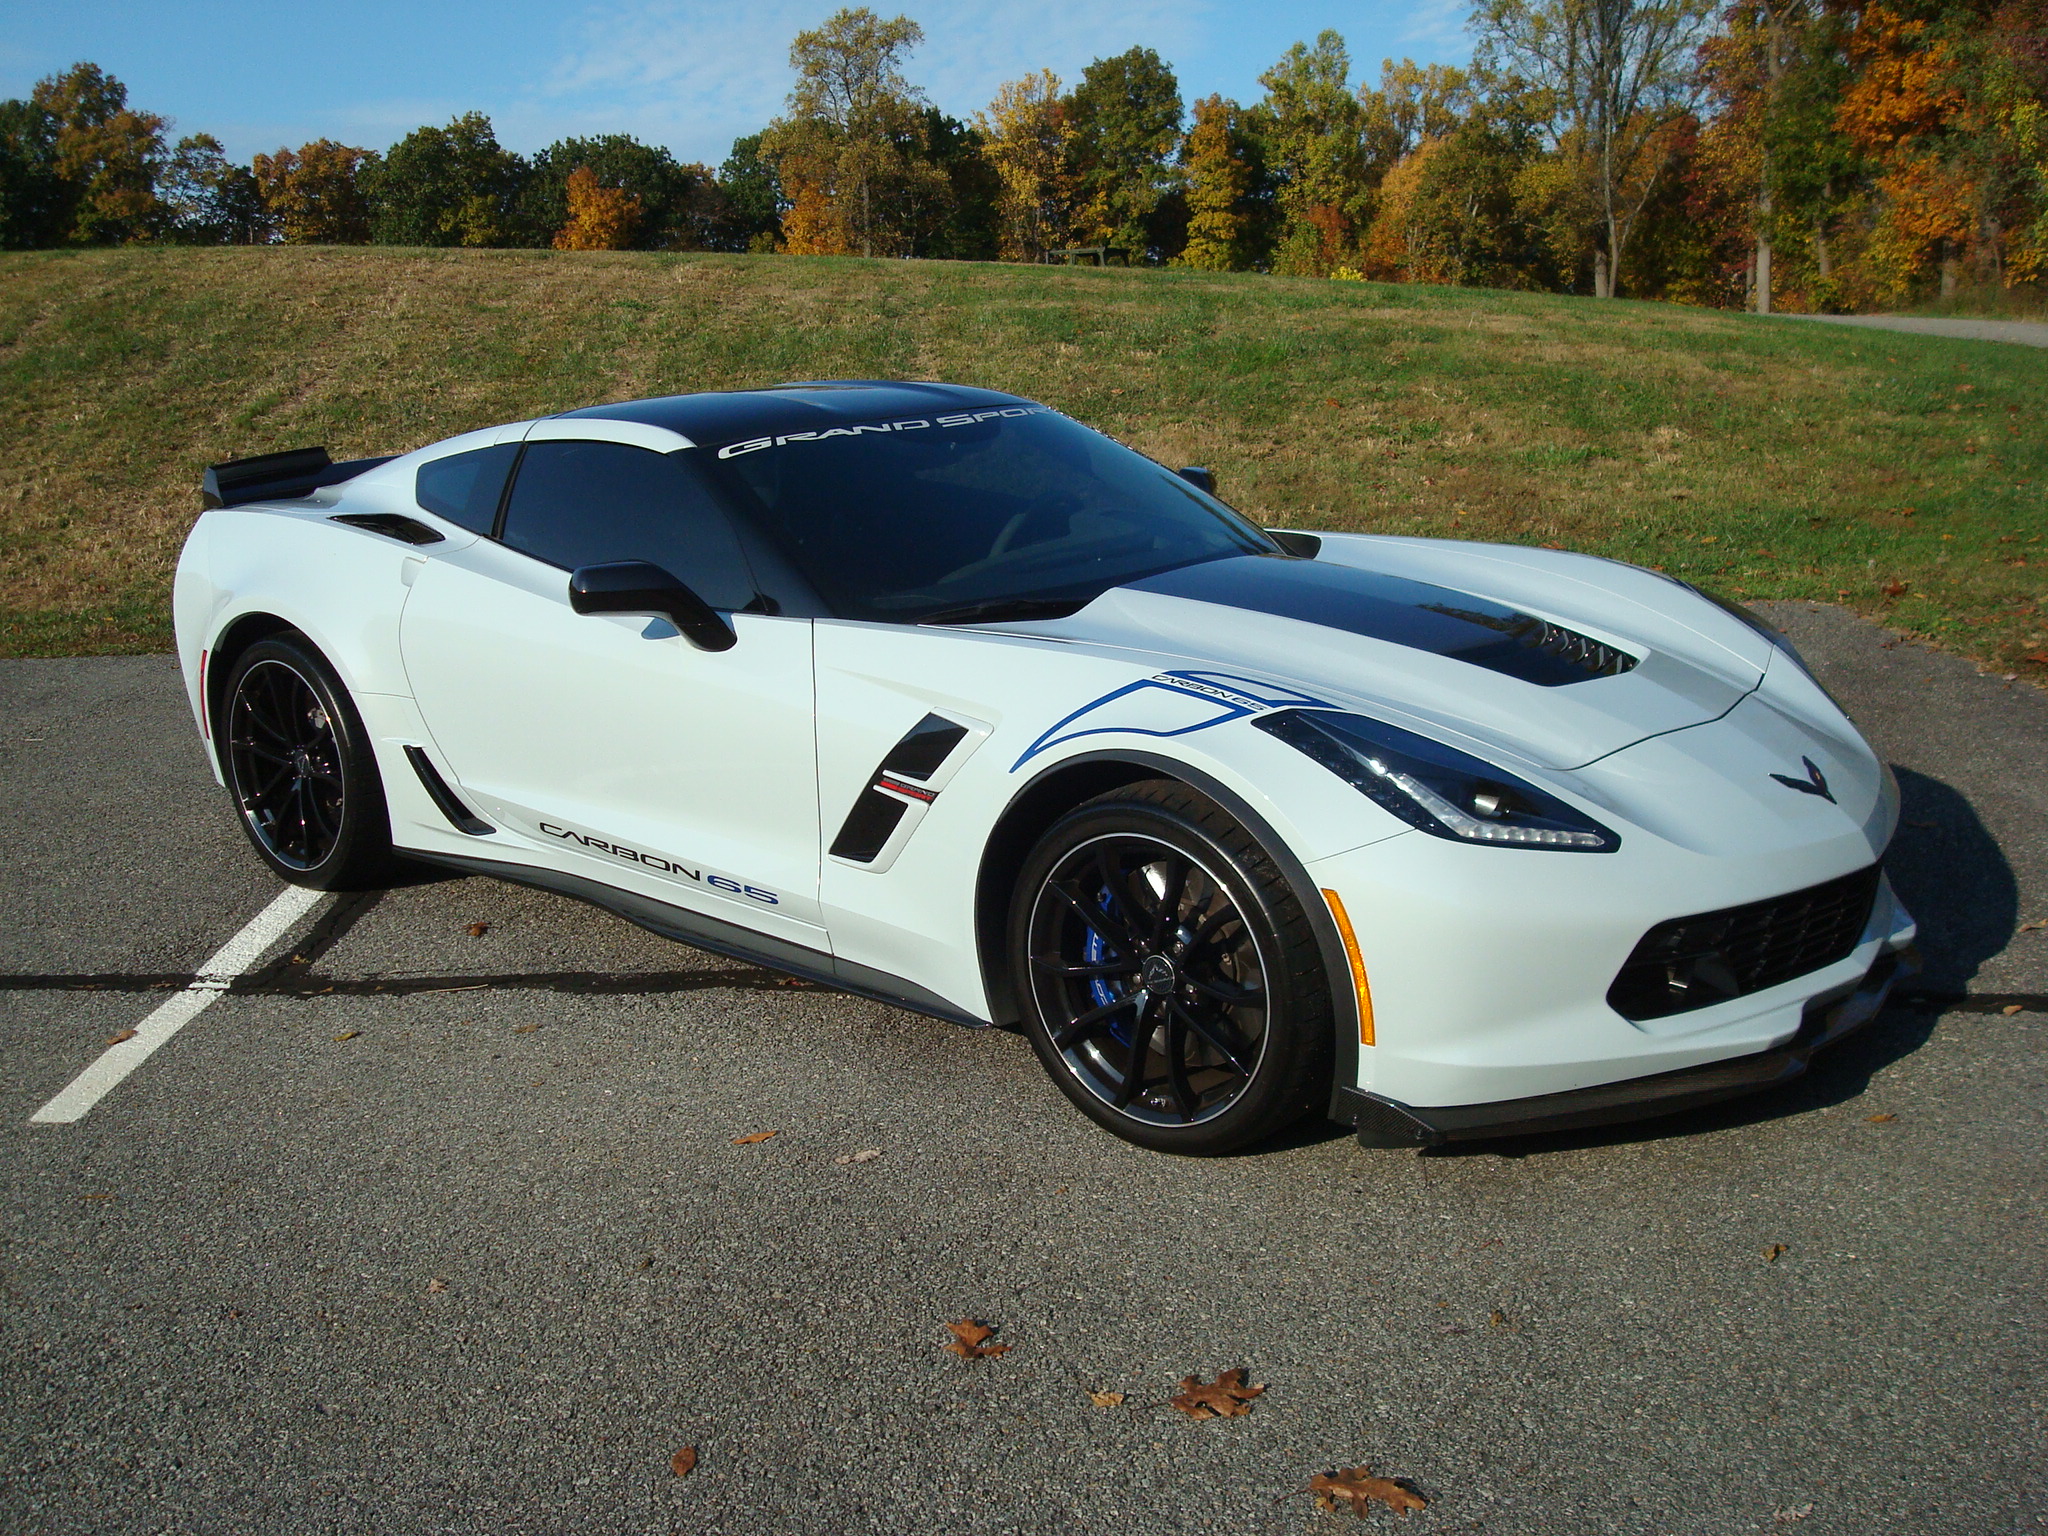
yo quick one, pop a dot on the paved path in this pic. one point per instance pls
(2028, 333)
(423, 1231)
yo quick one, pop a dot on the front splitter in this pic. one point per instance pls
(1384, 1122)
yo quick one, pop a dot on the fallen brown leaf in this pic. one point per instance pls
(1880, 1119)
(866, 1156)
(684, 1462)
(2011, 1008)
(1771, 1253)
(477, 930)
(1360, 1489)
(2040, 656)
(2030, 927)
(1894, 588)
(1499, 1319)
(436, 1286)
(1227, 1397)
(758, 1136)
(1106, 1399)
(126, 1034)
(526, 1029)
(348, 1034)
(970, 1341)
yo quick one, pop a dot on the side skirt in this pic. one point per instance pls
(716, 935)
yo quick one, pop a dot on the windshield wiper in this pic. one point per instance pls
(998, 609)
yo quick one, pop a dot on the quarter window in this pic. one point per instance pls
(582, 503)
(465, 487)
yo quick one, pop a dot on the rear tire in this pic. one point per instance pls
(300, 770)
(1170, 980)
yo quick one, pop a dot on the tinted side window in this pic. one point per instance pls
(464, 487)
(591, 503)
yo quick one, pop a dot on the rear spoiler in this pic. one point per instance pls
(278, 476)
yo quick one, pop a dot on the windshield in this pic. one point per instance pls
(905, 520)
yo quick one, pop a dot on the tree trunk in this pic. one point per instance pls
(1821, 257)
(1603, 287)
(1948, 269)
(1763, 275)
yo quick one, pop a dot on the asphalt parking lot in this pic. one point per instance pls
(416, 1229)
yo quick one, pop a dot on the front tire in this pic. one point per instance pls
(300, 770)
(1170, 980)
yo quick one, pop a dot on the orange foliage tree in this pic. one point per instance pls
(314, 195)
(601, 218)
(1220, 181)
(109, 156)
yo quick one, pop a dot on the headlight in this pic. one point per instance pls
(1437, 788)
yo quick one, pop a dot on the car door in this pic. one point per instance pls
(609, 740)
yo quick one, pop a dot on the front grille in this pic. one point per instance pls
(1695, 962)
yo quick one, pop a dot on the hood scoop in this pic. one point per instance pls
(1399, 610)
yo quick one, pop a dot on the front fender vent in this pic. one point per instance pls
(458, 814)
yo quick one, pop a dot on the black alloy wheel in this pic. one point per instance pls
(1171, 984)
(298, 764)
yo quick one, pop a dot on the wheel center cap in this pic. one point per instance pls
(302, 762)
(1158, 975)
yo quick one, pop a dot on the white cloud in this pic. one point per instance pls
(696, 76)
(1439, 26)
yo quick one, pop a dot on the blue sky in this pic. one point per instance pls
(689, 75)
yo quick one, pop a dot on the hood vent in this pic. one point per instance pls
(1595, 658)
(1400, 611)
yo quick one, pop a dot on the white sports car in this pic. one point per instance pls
(938, 696)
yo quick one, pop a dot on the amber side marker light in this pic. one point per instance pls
(1358, 982)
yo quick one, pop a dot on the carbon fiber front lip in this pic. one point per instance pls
(1383, 1122)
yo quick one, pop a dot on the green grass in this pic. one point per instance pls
(1901, 475)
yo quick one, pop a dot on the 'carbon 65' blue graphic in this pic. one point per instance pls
(1169, 704)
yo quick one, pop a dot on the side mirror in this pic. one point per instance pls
(634, 586)
(1200, 478)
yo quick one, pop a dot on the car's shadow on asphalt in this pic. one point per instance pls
(1954, 879)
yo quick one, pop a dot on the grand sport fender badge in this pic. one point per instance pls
(699, 876)
(1815, 782)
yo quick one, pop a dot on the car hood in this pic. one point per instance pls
(1553, 658)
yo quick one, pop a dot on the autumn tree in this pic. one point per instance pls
(1029, 141)
(1220, 164)
(600, 218)
(2009, 75)
(1126, 117)
(1771, 160)
(315, 193)
(1412, 104)
(850, 154)
(107, 157)
(1617, 76)
(1312, 127)
(680, 207)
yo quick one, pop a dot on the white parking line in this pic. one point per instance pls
(212, 979)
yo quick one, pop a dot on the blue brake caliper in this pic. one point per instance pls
(1095, 951)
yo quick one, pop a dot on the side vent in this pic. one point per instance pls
(393, 525)
(460, 815)
(891, 790)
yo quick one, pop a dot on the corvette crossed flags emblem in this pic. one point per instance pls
(1813, 784)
